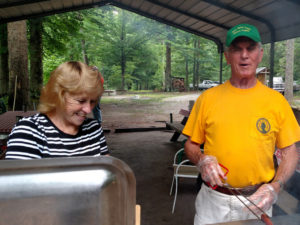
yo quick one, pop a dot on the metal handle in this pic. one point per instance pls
(226, 172)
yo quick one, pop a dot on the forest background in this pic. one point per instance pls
(131, 51)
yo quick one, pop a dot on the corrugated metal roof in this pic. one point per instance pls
(277, 20)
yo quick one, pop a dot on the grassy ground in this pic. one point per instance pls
(142, 97)
(296, 100)
(146, 97)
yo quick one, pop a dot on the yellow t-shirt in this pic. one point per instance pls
(241, 128)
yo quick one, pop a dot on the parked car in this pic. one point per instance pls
(206, 84)
(279, 85)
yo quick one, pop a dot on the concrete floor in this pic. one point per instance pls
(150, 156)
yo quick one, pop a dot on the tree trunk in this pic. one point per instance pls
(168, 67)
(85, 57)
(36, 59)
(4, 73)
(123, 57)
(197, 63)
(289, 70)
(18, 65)
(186, 58)
(163, 75)
(186, 83)
(194, 66)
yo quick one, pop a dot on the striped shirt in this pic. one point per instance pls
(37, 137)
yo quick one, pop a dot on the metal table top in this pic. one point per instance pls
(293, 219)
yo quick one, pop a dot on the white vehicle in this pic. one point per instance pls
(278, 84)
(206, 84)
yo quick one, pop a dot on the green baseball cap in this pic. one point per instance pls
(245, 30)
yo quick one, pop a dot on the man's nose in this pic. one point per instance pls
(245, 53)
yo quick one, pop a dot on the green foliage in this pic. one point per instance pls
(104, 35)
(59, 34)
(280, 60)
(3, 104)
(296, 61)
(114, 80)
(59, 30)
(50, 63)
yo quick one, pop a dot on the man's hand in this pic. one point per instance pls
(264, 198)
(210, 170)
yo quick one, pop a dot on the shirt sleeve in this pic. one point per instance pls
(194, 127)
(289, 132)
(23, 141)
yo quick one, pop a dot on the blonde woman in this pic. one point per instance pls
(61, 128)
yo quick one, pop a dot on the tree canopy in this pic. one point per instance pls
(130, 50)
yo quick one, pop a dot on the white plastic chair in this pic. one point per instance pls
(181, 170)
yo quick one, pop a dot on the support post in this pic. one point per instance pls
(221, 67)
(272, 53)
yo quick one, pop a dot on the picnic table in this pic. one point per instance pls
(177, 126)
(7, 122)
(9, 119)
(109, 92)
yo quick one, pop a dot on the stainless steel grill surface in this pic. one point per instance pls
(65, 191)
(277, 220)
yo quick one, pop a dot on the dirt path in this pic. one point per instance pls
(132, 114)
(150, 156)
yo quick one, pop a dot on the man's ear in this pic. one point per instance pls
(227, 57)
(261, 54)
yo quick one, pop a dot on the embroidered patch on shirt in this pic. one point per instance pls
(263, 125)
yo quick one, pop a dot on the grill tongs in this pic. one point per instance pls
(264, 217)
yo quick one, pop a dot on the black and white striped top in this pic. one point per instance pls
(37, 137)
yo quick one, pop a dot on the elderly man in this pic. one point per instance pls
(240, 122)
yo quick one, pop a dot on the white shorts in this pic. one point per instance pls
(215, 207)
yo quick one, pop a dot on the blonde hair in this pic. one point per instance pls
(70, 77)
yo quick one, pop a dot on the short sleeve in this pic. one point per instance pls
(194, 126)
(289, 132)
(23, 141)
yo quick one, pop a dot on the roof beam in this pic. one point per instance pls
(243, 13)
(120, 5)
(294, 1)
(252, 16)
(42, 14)
(188, 14)
(19, 3)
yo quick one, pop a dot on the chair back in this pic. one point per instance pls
(185, 169)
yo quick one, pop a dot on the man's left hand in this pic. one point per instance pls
(264, 198)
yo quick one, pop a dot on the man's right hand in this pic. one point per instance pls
(210, 170)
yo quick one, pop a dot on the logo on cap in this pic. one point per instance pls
(245, 30)
(241, 29)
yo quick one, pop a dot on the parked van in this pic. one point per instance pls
(278, 84)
